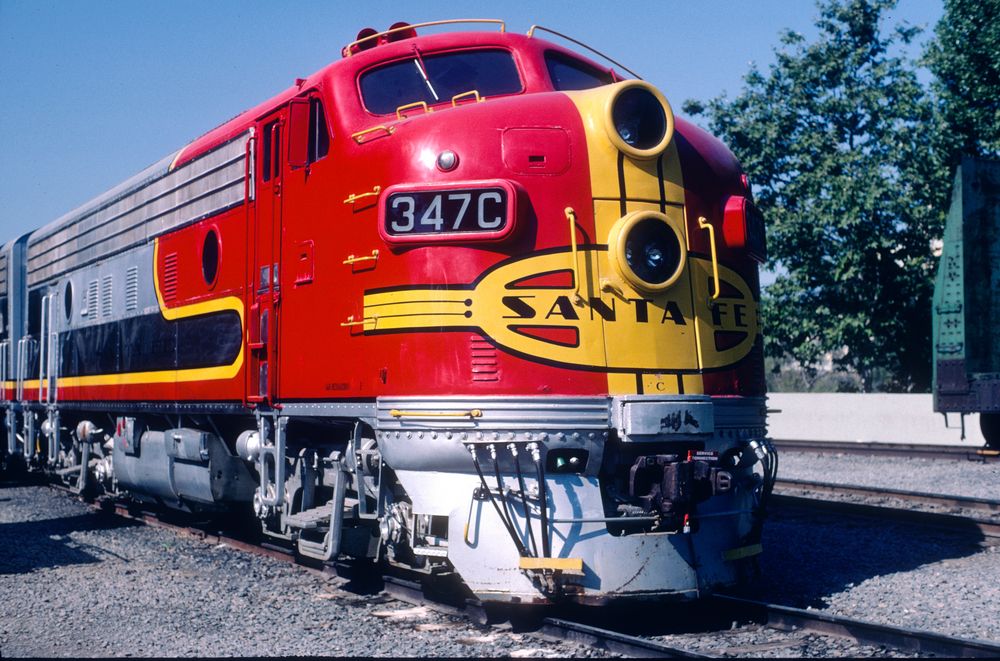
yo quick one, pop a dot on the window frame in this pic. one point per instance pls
(515, 57)
(571, 59)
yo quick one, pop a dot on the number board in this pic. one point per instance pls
(428, 213)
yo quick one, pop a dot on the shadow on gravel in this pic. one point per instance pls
(809, 556)
(29, 545)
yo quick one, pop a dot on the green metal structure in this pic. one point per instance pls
(967, 300)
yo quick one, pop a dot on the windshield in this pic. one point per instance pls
(570, 74)
(438, 78)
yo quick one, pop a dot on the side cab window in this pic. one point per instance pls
(319, 134)
(309, 135)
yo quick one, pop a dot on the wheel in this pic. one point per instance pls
(990, 424)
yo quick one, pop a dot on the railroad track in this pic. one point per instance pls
(866, 448)
(988, 527)
(645, 645)
(723, 610)
(867, 633)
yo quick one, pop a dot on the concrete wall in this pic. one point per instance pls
(880, 417)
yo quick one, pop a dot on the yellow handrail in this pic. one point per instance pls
(410, 106)
(348, 49)
(354, 197)
(531, 32)
(473, 413)
(475, 93)
(351, 321)
(381, 127)
(351, 259)
(571, 217)
(705, 225)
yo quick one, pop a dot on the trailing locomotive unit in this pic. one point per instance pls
(967, 300)
(466, 302)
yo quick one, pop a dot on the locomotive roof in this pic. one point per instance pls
(341, 75)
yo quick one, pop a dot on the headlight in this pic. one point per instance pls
(638, 120)
(647, 250)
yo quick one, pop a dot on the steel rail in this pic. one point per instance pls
(869, 633)
(613, 641)
(938, 520)
(942, 500)
(869, 448)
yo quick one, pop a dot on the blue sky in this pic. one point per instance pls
(93, 91)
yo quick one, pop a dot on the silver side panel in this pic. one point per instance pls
(3, 272)
(153, 202)
(495, 413)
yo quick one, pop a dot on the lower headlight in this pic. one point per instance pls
(639, 120)
(647, 251)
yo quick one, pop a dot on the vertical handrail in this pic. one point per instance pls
(53, 353)
(571, 217)
(705, 225)
(21, 367)
(4, 351)
(43, 347)
(249, 169)
(53, 420)
(276, 451)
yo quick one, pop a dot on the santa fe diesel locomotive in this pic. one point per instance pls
(466, 302)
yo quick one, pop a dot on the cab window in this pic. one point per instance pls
(319, 135)
(571, 74)
(438, 78)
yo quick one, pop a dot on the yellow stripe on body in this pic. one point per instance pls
(222, 372)
(642, 190)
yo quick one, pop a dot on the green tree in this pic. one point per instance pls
(834, 137)
(965, 60)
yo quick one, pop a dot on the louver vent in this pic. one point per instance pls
(485, 367)
(91, 310)
(132, 288)
(106, 296)
(170, 277)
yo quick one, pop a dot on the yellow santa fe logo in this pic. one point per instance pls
(532, 307)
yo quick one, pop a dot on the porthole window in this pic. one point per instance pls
(210, 258)
(68, 301)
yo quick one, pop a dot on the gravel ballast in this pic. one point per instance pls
(891, 573)
(78, 583)
(973, 479)
(74, 582)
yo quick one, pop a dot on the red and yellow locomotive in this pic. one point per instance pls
(468, 302)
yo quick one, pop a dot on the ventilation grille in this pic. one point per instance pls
(132, 288)
(485, 367)
(170, 277)
(106, 296)
(91, 309)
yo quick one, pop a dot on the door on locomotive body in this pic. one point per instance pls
(264, 248)
(317, 280)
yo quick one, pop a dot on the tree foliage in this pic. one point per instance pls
(834, 137)
(965, 60)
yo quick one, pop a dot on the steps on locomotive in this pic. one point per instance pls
(310, 519)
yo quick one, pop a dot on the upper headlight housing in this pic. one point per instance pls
(639, 120)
